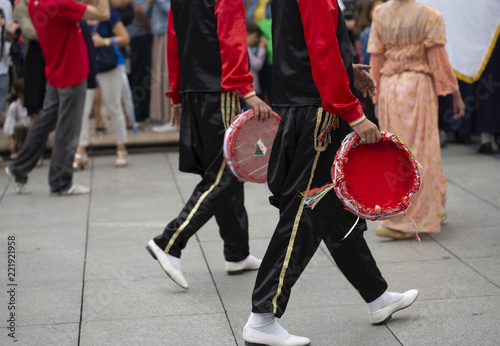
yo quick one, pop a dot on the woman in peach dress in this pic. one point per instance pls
(411, 67)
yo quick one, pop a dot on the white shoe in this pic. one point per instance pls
(160, 255)
(254, 338)
(165, 128)
(73, 191)
(383, 315)
(19, 187)
(249, 263)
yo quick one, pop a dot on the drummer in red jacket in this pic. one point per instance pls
(313, 84)
(208, 74)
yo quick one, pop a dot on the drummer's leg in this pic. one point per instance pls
(205, 201)
(295, 166)
(356, 262)
(352, 255)
(231, 216)
(209, 115)
(292, 168)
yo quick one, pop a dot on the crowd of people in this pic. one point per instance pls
(388, 64)
(147, 74)
(139, 31)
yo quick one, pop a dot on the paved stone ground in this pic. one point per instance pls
(83, 277)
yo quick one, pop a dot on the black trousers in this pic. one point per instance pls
(140, 74)
(299, 162)
(205, 117)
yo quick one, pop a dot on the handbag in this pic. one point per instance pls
(105, 58)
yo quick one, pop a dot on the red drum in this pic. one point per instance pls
(247, 146)
(376, 181)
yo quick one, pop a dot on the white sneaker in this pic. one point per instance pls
(19, 187)
(249, 263)
(160, 255)
(383, 315)
(165, 128)
(254, 337)
(73, 191)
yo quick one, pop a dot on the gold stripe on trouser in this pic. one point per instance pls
(319, 147)
(228, 108)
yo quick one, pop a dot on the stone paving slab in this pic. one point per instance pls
(84, 278)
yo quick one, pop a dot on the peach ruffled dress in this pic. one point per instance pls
(411, 67)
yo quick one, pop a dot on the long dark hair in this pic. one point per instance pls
(362, 15)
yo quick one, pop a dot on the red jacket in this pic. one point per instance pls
(312, 63)
(207, 48)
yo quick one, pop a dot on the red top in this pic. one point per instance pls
(232, 33)
(320, 20)
(57, 26)
(231, 36)
(174, 65)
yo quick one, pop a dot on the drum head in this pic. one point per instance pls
(376, 181)
(247, 146)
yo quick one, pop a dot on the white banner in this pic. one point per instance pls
(472, 30)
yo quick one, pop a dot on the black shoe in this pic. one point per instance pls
(462, 138)
(497, 139)
(486, 148)
(100, 130)
(443, 137)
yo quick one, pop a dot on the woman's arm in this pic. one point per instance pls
(376, 62)
(120, 34)
(445, 81)
(99, 11)
(24, 20)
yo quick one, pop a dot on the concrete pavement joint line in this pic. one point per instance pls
(395, 337)
(461, 261)
(163, 316)
(203, 253)
(216, 288)
(4, 191)
(91, 168)
(45, 324)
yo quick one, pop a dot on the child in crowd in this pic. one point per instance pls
(17, 120)
(256, 53)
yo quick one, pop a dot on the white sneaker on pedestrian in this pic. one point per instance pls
(263, 329)
(19, 187)
(165, 128)
(73, 191)
(169, 268)
(384, 314)
(249, 263)
(254, 337)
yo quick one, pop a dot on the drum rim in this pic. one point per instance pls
(229, 138)
(353, 140)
